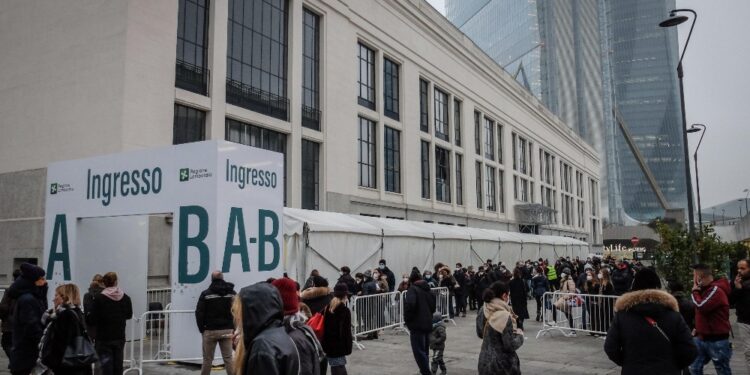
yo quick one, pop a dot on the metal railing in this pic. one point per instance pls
(443, 303)
(376, 312)
(159, 295)
(191, 77)
(569, 313)
(255, 99)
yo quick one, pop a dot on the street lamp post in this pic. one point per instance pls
(693, 129)
(746, 195)
(672, 21)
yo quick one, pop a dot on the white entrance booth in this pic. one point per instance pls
(226, 200)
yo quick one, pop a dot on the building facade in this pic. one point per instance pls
(380, 107)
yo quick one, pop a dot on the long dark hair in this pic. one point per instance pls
(495, 290)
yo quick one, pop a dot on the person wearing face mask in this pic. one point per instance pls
(591, 304)
(391, 278)
(567, 290)
(346, 278)
(404, 285)
(431, 282)
(606, 305)
(500, 336)
(30, 293)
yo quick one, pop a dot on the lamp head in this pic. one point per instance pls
(693, 130)
(673, 20)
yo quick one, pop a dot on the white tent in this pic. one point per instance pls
(327, 240)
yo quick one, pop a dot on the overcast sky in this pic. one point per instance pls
(716, 94)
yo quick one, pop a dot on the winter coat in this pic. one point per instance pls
(687, 309)
(438, 335)
(7, 307)
(316, 298)
(622, 280)
(740, 298)
(88, 301)
(382, 286)
(31, 302)
(498, 355)
(448, 282)
(391, 279)
(308, 347)
(460, 277)
(518, 298)
(539, 284)
(369, 287)
(351, 284)
(214, 309)
(109, 317)
(712, 311)
(337, 332)
(419, 305)
(268, 348)
(63, 325)
(431, 282)
(641, 348)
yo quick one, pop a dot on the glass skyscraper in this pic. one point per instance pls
(583, 59)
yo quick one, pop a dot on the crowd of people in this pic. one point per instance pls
(280, 326)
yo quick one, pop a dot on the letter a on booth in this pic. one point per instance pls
(236, 220)
(60, 233)
(198, 242)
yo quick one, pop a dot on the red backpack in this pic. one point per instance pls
(316, 323)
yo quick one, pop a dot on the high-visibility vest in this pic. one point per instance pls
(551, 273)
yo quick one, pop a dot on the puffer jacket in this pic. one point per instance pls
(641, 348)
(712, 310)
(622, 279)
(419, 305)
(500, 342)
(268, 348)
(31, 302)
(438, 335)
(309, 348)
(214, 309)
(316, 298)
(539, 284)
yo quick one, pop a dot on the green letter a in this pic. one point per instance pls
(60, 232)
(236, 219)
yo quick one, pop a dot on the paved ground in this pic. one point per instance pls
(391, 354)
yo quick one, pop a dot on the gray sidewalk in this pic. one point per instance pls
(391, 354)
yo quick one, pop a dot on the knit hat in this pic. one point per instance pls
(368, 273)
(588, 266)
(288, 291)
(646, 279)
(31, 272)
(437, 317)
(319, 281)
(415, 276)
(340, 290)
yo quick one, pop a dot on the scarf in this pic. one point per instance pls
(497, 313)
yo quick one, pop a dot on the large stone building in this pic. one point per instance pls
(380, 107)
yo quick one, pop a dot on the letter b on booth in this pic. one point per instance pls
(196, 242)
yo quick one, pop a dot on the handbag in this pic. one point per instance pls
(80, 352)
(316, 323)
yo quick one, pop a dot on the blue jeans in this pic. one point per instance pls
(717, 351)
(420, 346)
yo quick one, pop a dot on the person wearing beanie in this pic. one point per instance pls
(317, 296)
(311, 356)
(213, 315)
(384, 270)
(337, 332)
(648, 334)
(347, 279)
(29, 291)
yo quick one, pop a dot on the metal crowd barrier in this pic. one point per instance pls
(569, 313)
(159, 295)
(376, 312)
(443, 303)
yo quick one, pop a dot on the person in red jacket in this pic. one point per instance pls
(712, 326)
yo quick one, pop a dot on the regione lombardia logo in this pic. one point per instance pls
(53, 188)
(184, 174)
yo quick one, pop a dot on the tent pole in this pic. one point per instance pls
(382, 242)
(305, 234)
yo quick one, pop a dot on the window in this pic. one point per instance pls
(310, 175)
(547, 184)
(424, 121)
(477, 133)
(257, 136)
(441, 115)
(523, 188)
(192, 46)
(311, 70)
(442, 175)
(457, 121)
(366, 77)
(459, 180)
(581, 210)
(478, 181)
(189, 125)
(489, 139)
(367, 154)
(392, 160)
(425, 157)
(390, 89)
(566, 197)
(501, 191)
(491, 197)
(594, 197)
(499, 143)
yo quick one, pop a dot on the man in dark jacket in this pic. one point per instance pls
(346, 278)
(109, 313)
(368, 285)
(30, 293)
(389, 274)
(741, 299)
(712, 326)
(309, 348)
(268, 348)
(419, 305)
(622, 277)
(648, 334)
(213, 315)
(7, 307)
(460, 292)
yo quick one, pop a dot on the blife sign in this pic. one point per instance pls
(227, 206)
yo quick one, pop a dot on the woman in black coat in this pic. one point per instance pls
(64, 323)
(539, 286)
(648, 334)
(337, 330)
(518, 292)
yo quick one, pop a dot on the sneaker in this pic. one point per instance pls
(572, 334)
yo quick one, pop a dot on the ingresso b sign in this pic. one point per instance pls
(226, 200)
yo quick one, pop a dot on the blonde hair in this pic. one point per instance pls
(69, 293)
(335, 302)
(239, 352)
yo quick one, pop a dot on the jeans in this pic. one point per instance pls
(717, 351)
(111, 356)
(420, 346)
(743, 341)
(223, 337)
(437, 361)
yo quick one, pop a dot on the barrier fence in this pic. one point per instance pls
(443, 303)
(376, 312)
(158, 297)
(569, 313)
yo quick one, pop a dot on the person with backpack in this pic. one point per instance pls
(65, 332)
(311, 355)
(30, 293)
(213, 315)
(110, 311)
(648, 334)
(337, 331)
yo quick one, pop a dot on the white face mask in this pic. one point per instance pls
(589, 277)
(375, 276)
(406, 279)
(599, 276)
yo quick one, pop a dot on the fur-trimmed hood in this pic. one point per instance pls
(315, 292)
(647, 301)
